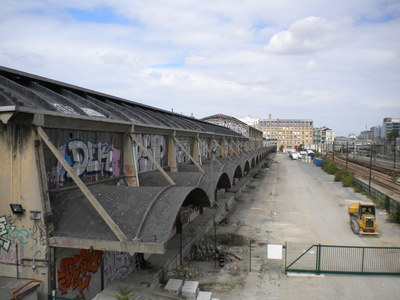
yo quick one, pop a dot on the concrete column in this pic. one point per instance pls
(129, 162)
(196, 151)
(173, 167)
(221, 143)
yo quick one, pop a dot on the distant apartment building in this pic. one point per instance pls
(288, 133)
(388, 125)
(365, 135)
(376, 132)
(323, 135)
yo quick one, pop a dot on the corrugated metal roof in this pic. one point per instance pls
(40, 95)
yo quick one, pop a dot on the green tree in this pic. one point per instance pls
(392, 136)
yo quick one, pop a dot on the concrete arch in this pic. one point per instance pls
(162, 216)
(246, 168)
(237, 175)
(197, 197)
(253, 163)
(144, 213)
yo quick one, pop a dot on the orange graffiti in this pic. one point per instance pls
(75, 272)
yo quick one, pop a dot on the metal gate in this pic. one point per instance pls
(347, 260)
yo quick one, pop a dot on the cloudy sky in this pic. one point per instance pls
(335, 62)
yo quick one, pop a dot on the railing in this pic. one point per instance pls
(58, 298)
(348, 260)
(392, 206)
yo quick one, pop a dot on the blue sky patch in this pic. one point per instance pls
(98, 15)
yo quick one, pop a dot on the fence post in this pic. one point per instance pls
(387, 204)
(286, 256)
(362, 262)
(318, 259)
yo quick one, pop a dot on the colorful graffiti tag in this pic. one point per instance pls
(87, 159)
(10, 234)
(75, 272)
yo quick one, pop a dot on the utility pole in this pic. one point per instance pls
(370, 170)
(347, 155)
(394, 153)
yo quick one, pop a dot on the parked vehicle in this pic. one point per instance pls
(362, 218)
(294, 155)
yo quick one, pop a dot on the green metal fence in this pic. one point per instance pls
(58, 298)
(392, 206)
(320, 259)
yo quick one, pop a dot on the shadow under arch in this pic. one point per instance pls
(238, 174)
(197, 197)
(246, 168)
(223, 183)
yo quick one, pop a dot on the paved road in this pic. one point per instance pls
(300, 204)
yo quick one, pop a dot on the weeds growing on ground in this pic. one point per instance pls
(125, 293)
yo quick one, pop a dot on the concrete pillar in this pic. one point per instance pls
(129, 162)
(221, 143)
(196, 150)
(173, 167)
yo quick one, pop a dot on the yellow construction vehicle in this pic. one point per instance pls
(362, 218)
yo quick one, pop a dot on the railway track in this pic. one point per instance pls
(380, 175)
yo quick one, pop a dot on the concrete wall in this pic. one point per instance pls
(23, 237)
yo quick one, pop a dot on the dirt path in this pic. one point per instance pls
(298, 204)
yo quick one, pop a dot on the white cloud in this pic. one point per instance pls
(311, 65)
(307, 36)
(207, 58)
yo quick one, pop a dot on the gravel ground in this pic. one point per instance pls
(296, 203)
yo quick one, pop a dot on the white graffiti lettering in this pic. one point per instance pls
(156, 145)
(89, 157)
(4, 242)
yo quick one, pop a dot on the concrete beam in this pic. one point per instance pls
(224, 154)
(79, 123)
(5, 116)
(233, 150)
(152, 159)
(88, 194)
(132, 247)
(188, 154)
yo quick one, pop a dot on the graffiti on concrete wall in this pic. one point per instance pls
(181, 156)
(5, 243)
(156, 145)
(11, 234)
(75, 273)
(87, 159)
(203, 146)
(117, 266)
(231, 124)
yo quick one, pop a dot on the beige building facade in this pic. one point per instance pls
(288, 133)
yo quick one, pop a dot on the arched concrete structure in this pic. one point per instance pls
(104, 173)
(246, 168)
(237, 175)
(144, 213)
